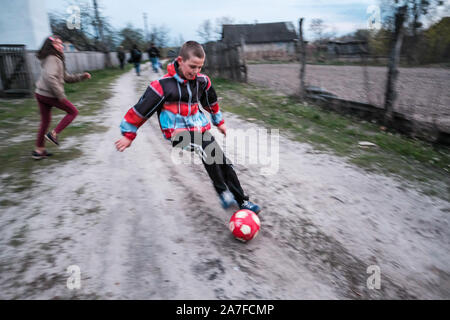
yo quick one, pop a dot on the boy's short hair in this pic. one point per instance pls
(192, 48)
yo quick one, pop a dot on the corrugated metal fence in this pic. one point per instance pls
(20, 68)
(14, 72)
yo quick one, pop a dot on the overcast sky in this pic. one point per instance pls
(184, 17)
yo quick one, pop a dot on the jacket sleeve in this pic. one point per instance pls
(72, 78)
(210, 104)
(150, 102)
(52, 70)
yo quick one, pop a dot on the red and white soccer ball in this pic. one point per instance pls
(244, 224)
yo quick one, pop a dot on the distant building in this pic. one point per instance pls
(264, 41)
(24, 22)
(347, 48)
(173, 53)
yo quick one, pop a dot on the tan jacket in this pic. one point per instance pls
(53, 76)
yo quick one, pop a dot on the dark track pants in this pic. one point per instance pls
(219, 168)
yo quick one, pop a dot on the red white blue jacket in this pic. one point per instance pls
(176, 101)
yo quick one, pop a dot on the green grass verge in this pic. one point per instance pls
(411, 160)
(20, 120)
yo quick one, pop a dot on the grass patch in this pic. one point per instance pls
(412, 160)
(20, 120)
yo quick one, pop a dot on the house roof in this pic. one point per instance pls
(259, 32)
(349, 42)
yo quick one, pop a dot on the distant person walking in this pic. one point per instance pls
(50, 93)
(154, 55)
(121, 57)
(136, 57)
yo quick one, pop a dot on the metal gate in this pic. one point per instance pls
(14, 73)
(226, 60)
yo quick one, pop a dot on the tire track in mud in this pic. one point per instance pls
(297, 238)
(287, 219)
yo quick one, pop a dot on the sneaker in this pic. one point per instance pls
(250, 206)
(51, 138)
(38, 156)
(227, 199)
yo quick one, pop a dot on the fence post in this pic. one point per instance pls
(391, 94)
(302, 61)
(226, 60)
(228, 71)
(236, 63)
(243, 61)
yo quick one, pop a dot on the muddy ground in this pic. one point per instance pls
(140, 226)
(423, 93)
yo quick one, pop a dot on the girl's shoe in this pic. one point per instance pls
(38, 156)
(51, 138)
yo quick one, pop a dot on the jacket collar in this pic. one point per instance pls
(172, 69)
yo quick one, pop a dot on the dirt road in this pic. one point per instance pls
(139, 226)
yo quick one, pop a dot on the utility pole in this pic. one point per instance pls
(98, 23)
(99, 27)
(146, 27)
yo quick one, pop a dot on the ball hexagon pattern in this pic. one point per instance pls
(245, 225)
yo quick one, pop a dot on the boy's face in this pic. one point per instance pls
(191, 67)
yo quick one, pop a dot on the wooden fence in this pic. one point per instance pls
(20, 68)
(225, 60)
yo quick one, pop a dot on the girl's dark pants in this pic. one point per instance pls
(45, 106)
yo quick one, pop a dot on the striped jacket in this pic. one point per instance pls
(176, 101)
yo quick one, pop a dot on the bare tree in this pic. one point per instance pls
(132, 36)
(416, 13)
(219, 25)
(159, 35)
(205, 30)
(317, 27)
(85, 37)
(180, 40)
